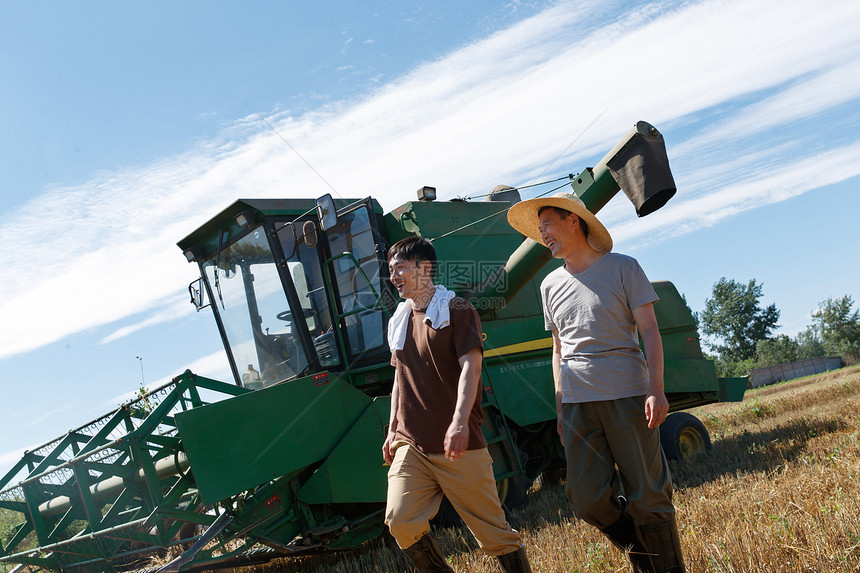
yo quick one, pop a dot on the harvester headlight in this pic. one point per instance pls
(245, 219)
(427, 194)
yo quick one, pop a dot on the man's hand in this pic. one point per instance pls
(387, 454)
(656, 408)
(456, 440)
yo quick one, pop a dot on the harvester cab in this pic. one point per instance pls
(296, 287)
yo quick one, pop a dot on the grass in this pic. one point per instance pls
(779, 492)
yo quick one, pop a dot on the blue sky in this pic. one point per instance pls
(127, 125)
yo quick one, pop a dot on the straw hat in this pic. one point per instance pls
(524, 218)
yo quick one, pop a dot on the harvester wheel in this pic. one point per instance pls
(683, 436)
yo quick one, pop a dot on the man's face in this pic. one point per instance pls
(556, 231)
(409, 277)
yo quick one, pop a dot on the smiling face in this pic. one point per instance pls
(557, 232)
(411, 278)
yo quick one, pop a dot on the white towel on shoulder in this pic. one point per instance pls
(438, 316)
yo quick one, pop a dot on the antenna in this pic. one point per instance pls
(142, 381)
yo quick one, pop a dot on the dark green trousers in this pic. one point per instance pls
(598, 436)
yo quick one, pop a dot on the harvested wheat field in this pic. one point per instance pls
(779, 492)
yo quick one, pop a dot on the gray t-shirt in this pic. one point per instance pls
(593, 313)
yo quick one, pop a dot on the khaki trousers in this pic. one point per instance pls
(416, 483)
(597, 437)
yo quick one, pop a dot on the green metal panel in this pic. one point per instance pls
(522, 385)
(677, 326)
(499, 440)
(240, 443)
(500, 335)
(689, 375)
(270, 513)
(354, 471)
(672, 311)
(733, 389)
(433, 219)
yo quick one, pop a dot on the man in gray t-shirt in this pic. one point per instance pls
(600, 357)
(609, 399)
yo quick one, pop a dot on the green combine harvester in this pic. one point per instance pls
(286, 459)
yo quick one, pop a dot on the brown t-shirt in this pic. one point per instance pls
(428, 369)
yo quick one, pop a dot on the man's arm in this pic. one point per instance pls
(387, 454)
(656, 405)
(457, 436)
(556, 378)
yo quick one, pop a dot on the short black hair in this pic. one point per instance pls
(563, 213)
(415, 249)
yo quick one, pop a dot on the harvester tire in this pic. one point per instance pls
(683, 436)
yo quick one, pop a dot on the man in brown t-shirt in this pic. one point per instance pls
(435, 445)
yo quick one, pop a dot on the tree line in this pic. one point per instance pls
(738, 330)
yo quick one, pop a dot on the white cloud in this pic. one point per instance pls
(687, 215)
(497, 111)
(172, 311)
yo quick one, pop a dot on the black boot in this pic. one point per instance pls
(664, 546)
(623, 535)
(515, 561)
(427, 557)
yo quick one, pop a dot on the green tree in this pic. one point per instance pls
(734, 368)
(777, 350)
(735, 318)
(809, 344)
(838, 327)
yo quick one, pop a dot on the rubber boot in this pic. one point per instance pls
(427, 557)
(664, 546)
(515, 561)
(623, 535)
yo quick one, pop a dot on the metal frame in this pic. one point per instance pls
(335, 300)
(112, 490)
